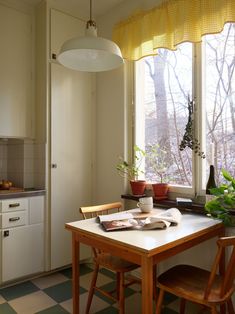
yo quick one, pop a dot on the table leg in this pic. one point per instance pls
(222, 270)
(75, 273)
(147, 285)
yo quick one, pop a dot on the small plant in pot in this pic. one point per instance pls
(222, 206)
(132, 171)
(157, 159)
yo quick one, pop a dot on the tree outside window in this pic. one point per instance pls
(164, 86)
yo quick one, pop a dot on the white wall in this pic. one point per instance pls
(114, 109)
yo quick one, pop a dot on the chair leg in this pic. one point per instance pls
(204, 309)
(213, 310)
(121, 299)
(159, 301)
(91, 290)
(155, 283)
(230, 307)
(182, 305)
(118, 285)
(223, 308)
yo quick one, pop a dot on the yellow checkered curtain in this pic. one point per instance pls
(171, 23)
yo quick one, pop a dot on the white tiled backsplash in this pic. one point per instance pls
(22, 162)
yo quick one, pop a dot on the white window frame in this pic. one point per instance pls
(198, 164)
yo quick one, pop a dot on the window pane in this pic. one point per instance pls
(219, 99)
(163, 87)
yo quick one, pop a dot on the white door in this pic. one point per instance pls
(71, 156)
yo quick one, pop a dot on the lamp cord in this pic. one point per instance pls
(91, 22)
(91, 10)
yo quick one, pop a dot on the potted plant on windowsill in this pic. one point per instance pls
(157, 160)
(222, 206)
(132, 171)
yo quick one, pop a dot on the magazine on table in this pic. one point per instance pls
(139, 220)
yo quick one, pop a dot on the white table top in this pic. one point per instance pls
(147, 240)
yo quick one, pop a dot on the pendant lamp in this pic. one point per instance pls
(90, 53)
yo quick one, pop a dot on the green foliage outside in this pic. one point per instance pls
(157, 160)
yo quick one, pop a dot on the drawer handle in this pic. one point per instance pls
(14, 218)
(14, 205)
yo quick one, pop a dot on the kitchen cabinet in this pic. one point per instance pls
(16, 68)
(22, 237)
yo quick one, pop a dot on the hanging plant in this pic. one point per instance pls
(189, 139)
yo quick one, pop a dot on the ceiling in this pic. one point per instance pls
(99, 7)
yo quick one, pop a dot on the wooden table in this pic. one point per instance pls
(145, 248)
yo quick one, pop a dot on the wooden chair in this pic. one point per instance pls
(106, 260)
(201, 286)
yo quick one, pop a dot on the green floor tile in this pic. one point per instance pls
(109, 310)
(83, 269)
(168, 311)
(18, 290)
(108, 273)
(5, 308)
(169, 298)
(57, 309)
(62, 291)
(110, 287)
(67, 272)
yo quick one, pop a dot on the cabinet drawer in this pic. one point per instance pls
(14, 204)
(14, 219)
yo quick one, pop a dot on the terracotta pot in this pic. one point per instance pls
(138, 187)
(160, 190)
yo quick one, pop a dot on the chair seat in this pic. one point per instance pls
(189, 282)
(114, 263)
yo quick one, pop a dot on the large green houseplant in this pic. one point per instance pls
(132, 171)
(222, 205)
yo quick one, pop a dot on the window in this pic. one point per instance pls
(198, 77)
(219, 98)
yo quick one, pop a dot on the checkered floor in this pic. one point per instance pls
(52, 294)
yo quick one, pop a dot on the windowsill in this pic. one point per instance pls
(197, 208)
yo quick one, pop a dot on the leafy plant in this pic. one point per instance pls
(224, 201)
(157, 158)
(131, 170)
(189, 139)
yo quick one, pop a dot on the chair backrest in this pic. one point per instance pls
(94, 211)
(227, 286)
(97, 210)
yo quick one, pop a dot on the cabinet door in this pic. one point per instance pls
(71, 156)
(16, 101)
(22, 251)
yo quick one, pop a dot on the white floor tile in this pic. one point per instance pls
(68, 305)
(2, 300)
(50, 280)
(32, 303)
(101, 280)
(96, 305)
(132, 304)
